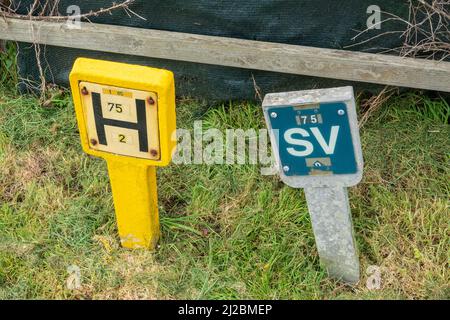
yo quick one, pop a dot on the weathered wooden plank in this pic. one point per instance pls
(293, 59)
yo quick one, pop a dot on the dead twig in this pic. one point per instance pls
(426, 31)
(257, 89)
(48, 10)
(425, 34)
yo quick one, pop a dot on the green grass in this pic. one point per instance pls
(8, 66)
(227, 231)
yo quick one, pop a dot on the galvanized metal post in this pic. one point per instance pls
(333, 230)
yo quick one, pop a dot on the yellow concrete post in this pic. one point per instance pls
(136, 208)
(126, 115)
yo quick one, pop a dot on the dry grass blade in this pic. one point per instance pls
(374, 103)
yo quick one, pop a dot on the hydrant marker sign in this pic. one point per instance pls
(126, 115)
(121, 121)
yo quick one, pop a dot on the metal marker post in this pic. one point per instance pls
(332, 225)
(315, 139)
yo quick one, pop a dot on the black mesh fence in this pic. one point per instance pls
(318, 23)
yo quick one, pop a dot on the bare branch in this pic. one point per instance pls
(53, 15)
(426, 30)
(47, 10)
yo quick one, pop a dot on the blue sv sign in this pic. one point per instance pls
(313, 139)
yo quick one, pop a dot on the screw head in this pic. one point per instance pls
(93, 142)
(153, 152)
(341, 112)
(286, 168)
(274, 115)
(84, 91)
(150, 101)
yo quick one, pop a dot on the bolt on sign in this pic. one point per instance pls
(315, 139)
(126, 115)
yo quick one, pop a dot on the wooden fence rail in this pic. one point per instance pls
(293, 59)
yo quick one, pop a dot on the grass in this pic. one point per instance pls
(227, 231)
(8, 65)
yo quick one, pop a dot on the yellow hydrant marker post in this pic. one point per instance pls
(126, 115)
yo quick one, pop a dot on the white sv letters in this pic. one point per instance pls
(308, 147)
